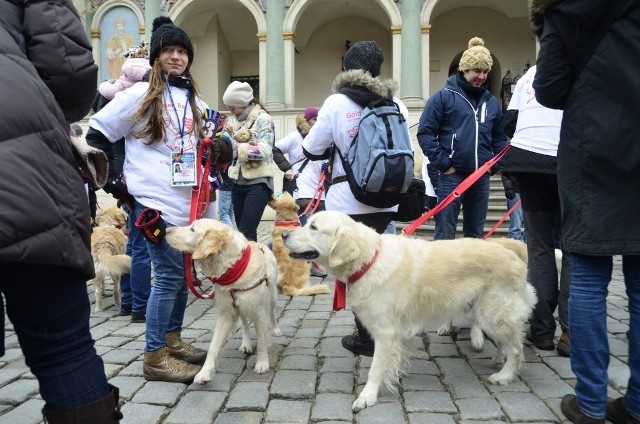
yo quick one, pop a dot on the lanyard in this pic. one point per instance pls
(181, 128)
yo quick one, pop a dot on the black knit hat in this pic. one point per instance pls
(365, 55)
(165, 33)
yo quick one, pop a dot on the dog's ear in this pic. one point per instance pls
(344, 249)
(210, 243)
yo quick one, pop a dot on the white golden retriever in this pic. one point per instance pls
(413, 284)
(249, 293)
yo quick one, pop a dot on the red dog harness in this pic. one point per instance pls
(340, 291)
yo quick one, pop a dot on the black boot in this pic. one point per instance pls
(360, 342)
(102, 411)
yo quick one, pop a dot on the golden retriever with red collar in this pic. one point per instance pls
(293, 274)
(245, 275)
(400, 286)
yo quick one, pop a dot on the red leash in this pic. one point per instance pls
(457, 192)
(200, 196)
(495, 227)
(317, 197)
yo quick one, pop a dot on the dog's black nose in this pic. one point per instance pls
(285, 235)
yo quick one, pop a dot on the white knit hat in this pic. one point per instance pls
(238, 94)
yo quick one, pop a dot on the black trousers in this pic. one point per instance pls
(541, 204)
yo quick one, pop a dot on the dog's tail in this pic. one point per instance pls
(306, 291)
(112, 264)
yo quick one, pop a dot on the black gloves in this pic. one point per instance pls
(509, 193)
(116, 189)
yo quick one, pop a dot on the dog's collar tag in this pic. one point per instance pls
(340, 289)
(236, 270)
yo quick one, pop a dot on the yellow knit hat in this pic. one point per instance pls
(477, 56)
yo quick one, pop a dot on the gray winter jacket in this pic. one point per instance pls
(48, 79)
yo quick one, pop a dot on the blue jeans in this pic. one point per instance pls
(515, 219)
(49, 309)
(249, 202)
(225, 208)
(136, 286)
(474, 203)
(588, 334)
(169, 293)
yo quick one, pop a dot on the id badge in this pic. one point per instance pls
(183, 168)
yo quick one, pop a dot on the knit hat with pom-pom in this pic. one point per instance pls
(165, 33)
(477, 56)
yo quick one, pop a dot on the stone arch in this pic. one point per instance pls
(297, 9)
(259, 16)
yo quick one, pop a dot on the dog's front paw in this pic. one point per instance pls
(363, 401)
(477, 338)
(445, 330)
(500, 379)
(246, 348)
(261, 367)
(277, 332)
(203, 377)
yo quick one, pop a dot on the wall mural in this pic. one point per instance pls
(118, 32)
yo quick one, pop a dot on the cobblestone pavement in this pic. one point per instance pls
(313, 379)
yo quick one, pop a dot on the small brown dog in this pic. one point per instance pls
(108, 244)
(293, 274)
(111, 215)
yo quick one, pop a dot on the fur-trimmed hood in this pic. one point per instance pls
(536, 12)
(360, 78)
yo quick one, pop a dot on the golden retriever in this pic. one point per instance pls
(108, 245)
(408, 284)
(293, 274)
(247, 273)
(112, 215)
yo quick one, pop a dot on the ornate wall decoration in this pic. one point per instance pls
(119, 32)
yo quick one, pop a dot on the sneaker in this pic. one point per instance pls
(540, 344)
(125, 310)
(138, 316)
(571, 410)
(563, 344)
(617, 412)
(358, 346)
(317, 270)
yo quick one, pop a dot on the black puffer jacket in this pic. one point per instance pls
(599, 151)
(48, 78)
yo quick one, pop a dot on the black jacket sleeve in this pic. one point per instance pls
(280, 160)
(510, 120)
(61, 51)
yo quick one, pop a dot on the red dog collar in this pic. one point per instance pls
(287, 223)
(236, 270)
(340, 291)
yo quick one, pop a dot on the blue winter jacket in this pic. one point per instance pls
(452, 132)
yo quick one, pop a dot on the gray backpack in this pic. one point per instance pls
(379, 163)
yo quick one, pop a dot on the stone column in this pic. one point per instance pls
(152, 9)
(425, 60)
(411, 66)
(274, 95)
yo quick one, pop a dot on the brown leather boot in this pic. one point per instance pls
(102, 411)
(159, 365)
(184, 351)
(563, 344)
